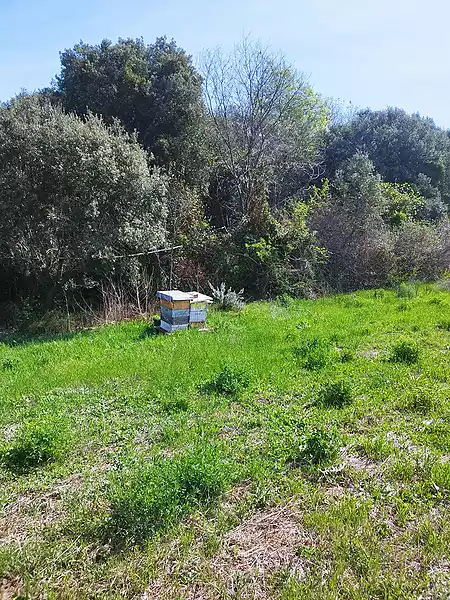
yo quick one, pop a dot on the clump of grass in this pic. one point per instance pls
(146, 498)
(336, 394)
(230, 381)
(313, 354)
(377, 447)
(405, 351)
(321, 446)
(346, 355)
(407, 290)
(35, 444)
(420, 401)
(175, 404)
(445, 325)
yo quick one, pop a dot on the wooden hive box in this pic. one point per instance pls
(175, 310)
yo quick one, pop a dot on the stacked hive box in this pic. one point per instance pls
(197, 313)
(180, 310)
(175, 309)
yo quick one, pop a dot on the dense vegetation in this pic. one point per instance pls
(238, 166)
(299, 449)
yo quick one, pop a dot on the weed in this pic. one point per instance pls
(313, 354)
(377, 447)
(346, 355)
(174, 405)
(321, 446)
(227, 299)
(146, 498)
(445, 325)
(336, 394)
(407, 290)
(35, 444)
(405, 351)
(230, 381)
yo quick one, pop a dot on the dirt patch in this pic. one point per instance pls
(33, 511)
(10, 588)
(251, 554)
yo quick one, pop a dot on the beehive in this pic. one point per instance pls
(180, 310)
(175, 309)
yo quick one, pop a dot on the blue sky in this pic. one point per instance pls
(373, 53)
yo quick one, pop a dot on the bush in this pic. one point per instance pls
(145, 498)
(35, 444)
(313, 354)
(407, 290)
(321, 446)
(227, 299)
(230, 381)
(337, 394)
(405, 351)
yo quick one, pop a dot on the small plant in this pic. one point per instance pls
(7, 365)
(405, 351)
(321, 446)
(313, 354)
(230, 381)
(337, 394)
(407, 290)
(227, 299)
(346, 355)
(35, 444)
(444, 325)
(145, 498)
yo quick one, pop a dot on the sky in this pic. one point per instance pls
(371, 53)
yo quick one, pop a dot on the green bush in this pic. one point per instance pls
(337, 394)
(230, 381)
(145, 498)
(321, 446)
(313, 354)
(407, 290)
(405, 351)
(35, 444)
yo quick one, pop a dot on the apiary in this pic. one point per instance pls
(180, 310)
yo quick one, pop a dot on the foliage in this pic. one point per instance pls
(266, 124)
(321, 446)
(349, 224)
(227, 299)
(230, 381)
(35, 443)
(74, 194)
(403, 148)
(405, 351)
(152, 89)
(337, 394)
(148, 497)
(313, 354)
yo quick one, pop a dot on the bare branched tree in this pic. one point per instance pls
(266, 121)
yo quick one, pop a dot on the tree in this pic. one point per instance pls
(348, 218)
(265, 127)
(154, 90)
(404, 148)
(75, 193)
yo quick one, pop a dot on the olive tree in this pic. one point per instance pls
(73, 194)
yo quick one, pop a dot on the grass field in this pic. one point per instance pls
(300, 449)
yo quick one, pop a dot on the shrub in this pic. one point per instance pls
(35, 444)
(145, 498)
(407, 290)
(405, 351)
(337, 394)
(230, 381)
(313, 354)
(227, 299)
(321, 446)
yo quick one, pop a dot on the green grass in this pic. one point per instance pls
(299, 449)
